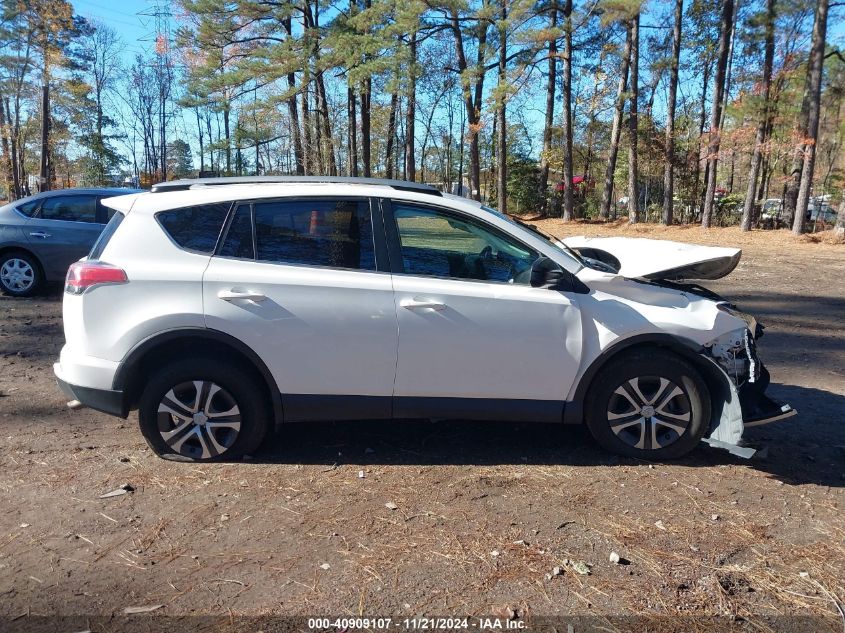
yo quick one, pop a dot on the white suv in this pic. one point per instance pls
(220, 308)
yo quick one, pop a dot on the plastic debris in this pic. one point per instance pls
(146, 609)
(120, 490)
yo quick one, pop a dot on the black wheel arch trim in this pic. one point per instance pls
(687, 349)
(128, 365)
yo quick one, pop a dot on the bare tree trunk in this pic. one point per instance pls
(793, 182)
(228, 138)
(814, 88)
(616, 129)
(7, 159)
(698, 191)
(716, 116)
(568, 200)
(307, 150)
(411, 113)
(295, 132)
(293, 113)
(669, 149)
(13, 151)
(324, 122)
(757, 156)
(366, 146)
(472, 98)
(352, 132)
(633, 187)
(501, 114)
(550, 113)
(45, 138)
(391, 135)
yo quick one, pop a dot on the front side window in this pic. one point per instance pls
(70, 208)
(335, 233)
(195, 228)
(441, 244)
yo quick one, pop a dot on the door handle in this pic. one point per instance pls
(231, 295)
(422, 304)
(40, 234)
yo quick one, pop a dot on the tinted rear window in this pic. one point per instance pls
(315, 233)
(105, 236)
(195, 228)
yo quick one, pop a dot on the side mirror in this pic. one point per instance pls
(546, 273)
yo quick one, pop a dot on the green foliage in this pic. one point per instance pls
(523, 182)
(180, 162)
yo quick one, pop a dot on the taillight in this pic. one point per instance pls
(86, 274)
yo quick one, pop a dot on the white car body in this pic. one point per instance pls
(359, 344)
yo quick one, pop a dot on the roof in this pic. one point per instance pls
(182, 185)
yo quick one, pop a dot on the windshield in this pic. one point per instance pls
(550, 239)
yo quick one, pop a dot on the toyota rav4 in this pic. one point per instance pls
(220, 308)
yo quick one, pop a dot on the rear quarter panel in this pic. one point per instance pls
(164, 292)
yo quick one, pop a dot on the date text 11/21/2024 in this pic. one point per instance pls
(415, 624)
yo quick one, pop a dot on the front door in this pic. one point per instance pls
(300, 282)
(475, 339)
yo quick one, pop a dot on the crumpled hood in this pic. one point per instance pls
(657, 259)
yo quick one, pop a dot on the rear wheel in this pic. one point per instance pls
(203, 410)
(20, 275)
(648, 406)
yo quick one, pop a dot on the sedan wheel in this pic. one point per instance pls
(17, 275)
(199, 419)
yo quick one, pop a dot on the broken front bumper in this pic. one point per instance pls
(757, 407)
(741, 400)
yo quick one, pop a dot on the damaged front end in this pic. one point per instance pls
(743, 388)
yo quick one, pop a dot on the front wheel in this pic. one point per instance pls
(203, 410)
(650, 406)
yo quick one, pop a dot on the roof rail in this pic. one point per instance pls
(182, 185)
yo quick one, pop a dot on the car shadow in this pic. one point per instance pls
(806, 449)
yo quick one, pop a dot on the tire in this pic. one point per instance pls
(650, 406)
(20, 274)
(231, 420)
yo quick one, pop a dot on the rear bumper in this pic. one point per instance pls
(104, 400)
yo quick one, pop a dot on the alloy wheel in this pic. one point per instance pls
(649, 412)
(17, 275)
(199, 419)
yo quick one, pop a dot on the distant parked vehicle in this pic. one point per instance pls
(42, 235)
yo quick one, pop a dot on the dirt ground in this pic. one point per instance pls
(484, 512)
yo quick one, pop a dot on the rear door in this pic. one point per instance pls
(305, 283)
(64, 230)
